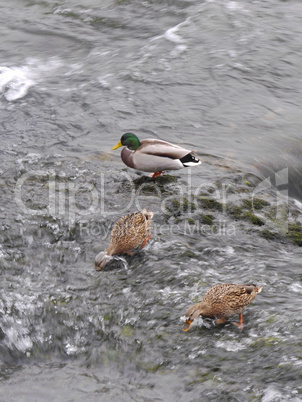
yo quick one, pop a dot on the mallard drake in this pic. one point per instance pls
(129, 233)
(222, 301)
(152, 155)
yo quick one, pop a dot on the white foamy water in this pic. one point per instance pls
(296, 287)
(16, 81)
(172, 34)
(219, 76)
(231, 346)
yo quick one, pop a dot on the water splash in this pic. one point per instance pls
(172, 35)
(16, 81)
(231, 346)
(123, 261)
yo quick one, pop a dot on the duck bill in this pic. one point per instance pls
(187, 325)
(119, 144)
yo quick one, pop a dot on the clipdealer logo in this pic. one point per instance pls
(52, 193)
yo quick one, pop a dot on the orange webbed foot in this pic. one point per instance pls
(237, 324)
(156, 174)
(220, 321)
(240, 323)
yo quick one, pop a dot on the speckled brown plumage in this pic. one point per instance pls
(222, 301)
(129, 233)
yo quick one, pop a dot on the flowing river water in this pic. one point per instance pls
(220, 77)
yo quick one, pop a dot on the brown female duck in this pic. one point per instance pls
(153, 155)
(222, 301)
(129, 233)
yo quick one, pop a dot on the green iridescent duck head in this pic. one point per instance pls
(128, 140)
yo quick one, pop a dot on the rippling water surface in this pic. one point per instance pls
(221, 77)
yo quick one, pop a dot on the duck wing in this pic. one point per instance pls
(130, 231)
(239, 296)
(228, 299)
(162, 148)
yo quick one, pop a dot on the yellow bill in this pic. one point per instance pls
(187, 325)
(119, 144)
